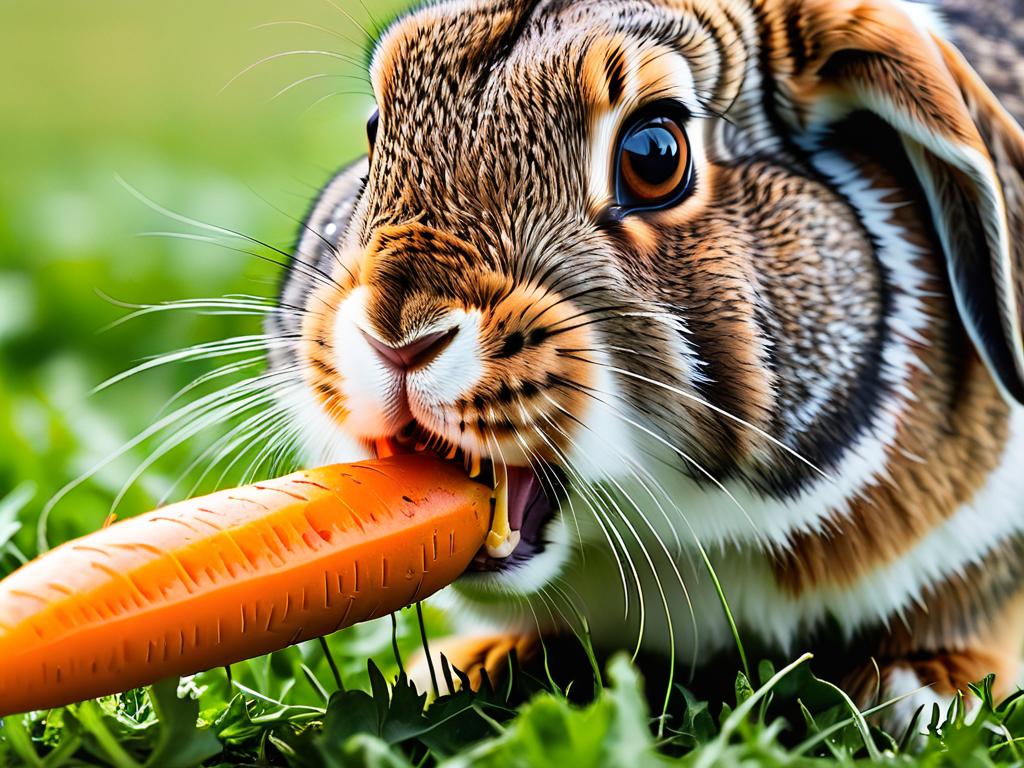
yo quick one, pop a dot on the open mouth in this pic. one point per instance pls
(524, 500)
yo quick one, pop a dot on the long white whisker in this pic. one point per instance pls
(309, 78)
(223, 306)
(598, 494)
(369, 37)
(212, 417)
(665, 551)
(590, 391)
(301, 265)
(278, 440)
(220, 372)
(236, 346)
(707, 563)
(720, 411)
(205, 402)
(285, 54)
(244, 433)
(587, 499)
(308, 25)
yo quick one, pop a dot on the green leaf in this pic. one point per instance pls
(744, 690)
(404, 718)
(17, 736)
(629, 740)
(367, 751)
(553, 733)
(10, 506)
(96, 723)
(349, 713)
(180, 742)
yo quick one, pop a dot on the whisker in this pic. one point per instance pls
(303, 224)
(317, 27)
(595, 493)
(592, 393)
(284, 54)
(290, 261)
(276, 442)
(711, 572)
(295, 264)
(232, 306)
(586, 497)
(202, 422)
(309, 78)
(668, 555)
(243, 433)
(326, 97)
(720, 411)
(369, 37)
(238, 345)
(190, 410)
(216, 373)
(654, 571)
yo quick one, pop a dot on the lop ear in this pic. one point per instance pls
(841, 56)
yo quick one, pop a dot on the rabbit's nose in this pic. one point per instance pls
(418, 353)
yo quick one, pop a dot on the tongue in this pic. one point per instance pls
(522, 488)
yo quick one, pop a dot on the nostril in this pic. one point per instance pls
(417, 353)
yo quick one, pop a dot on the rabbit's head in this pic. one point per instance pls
(713, 244)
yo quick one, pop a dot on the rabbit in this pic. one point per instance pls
(729, 286)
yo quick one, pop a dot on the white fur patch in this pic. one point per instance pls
(903, 684)
(321, 439)
(457, 370)
(894, 587)
(926, 15)
(371, 387)
(606, 446)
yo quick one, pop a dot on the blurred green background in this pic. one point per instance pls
(90, 91)
(93, 91)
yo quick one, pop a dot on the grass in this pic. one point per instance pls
(114, 87)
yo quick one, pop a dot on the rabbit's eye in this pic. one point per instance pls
(371, 128)
(653, 169)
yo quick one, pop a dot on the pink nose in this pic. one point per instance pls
(416, 354)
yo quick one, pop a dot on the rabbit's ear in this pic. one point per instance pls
(843, 56)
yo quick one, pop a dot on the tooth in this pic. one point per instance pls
(452, 452)
(506, 548)
(474, 465)
(501, 540)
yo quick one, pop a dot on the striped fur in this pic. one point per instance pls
(813, 364)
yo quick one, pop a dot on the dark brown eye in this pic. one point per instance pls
(653, 168)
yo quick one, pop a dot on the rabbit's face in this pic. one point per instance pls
(639, 242)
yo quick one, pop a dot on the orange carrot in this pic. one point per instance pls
(236, 574)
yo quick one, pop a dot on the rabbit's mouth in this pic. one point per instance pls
(524, 503)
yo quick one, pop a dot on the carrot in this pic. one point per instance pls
(236, 574)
